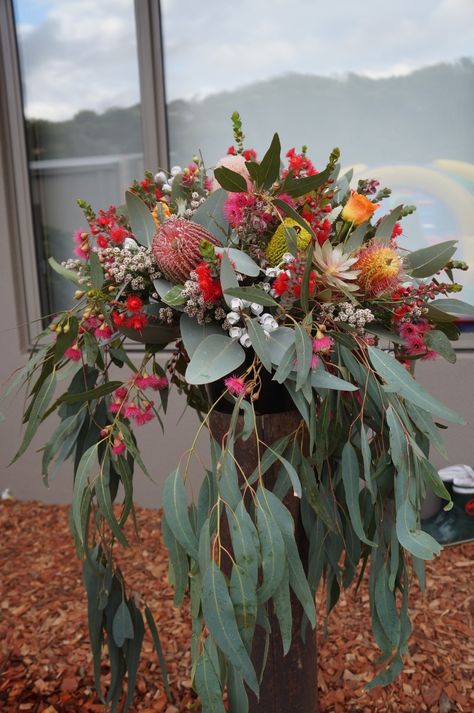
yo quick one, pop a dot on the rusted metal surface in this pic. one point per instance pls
(289, 682)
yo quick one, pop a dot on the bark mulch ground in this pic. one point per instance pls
(45, 664)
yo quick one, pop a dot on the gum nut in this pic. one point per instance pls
(235, 332)
(175, 170)
(233, 317)
(236, 304)
(266, 287)
(256, 308)
(160, 177)
(245, 340)
(271, 325)
(166, 188)
(265, 317)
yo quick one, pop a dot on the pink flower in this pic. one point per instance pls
(80, 238)
(234, 207)
(115, 406)
(322, 344)
(415, 345)
(118, 447)
(91, 323)
(73, 353)
(145, 415)
(408, 330)
(236, 164)
(430, 355)
(145, 381)
(131, 410)
(121, 392)
(236, 385)
(103, 332)
(314, 361)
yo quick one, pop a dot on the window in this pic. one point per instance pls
(391, 83)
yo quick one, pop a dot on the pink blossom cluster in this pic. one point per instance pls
(129, 403)
(413, 334)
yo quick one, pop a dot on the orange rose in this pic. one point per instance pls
(358, 209)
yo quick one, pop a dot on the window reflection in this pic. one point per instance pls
(82, 117)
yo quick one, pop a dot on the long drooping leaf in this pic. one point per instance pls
(272, 548)
(260, 342)
(159, 651)
(404, 384)
(179, 564)
(39, 407)
(427, 261)
(210, 215)
(220, 620)
(350, 478)
(243, 262)
(81, 484)
(269, 167)
(122, 626)
(228, 276)
(453, 306)
(175, 506)
(282, 605)
(387, 224)
(304, 353)
(133, 649)
(208, 685)
(322, 379)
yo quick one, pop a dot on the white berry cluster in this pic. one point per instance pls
(196, 306)
(346, 312)
(196, 201)
(76, 265)
(132, 265)
(238, 308)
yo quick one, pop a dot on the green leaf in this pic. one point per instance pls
(286, 366)
(312, 494)
(304, 353)
(243, 592)
(216, 356)
(81, 485)
(162, 286)
(65, 435)
(269, 167)
(453, 306)
(298, 581)
(159, 650)
(260, 343)
(433, 480)
(252, 294)
(175, 506)
(427, 261)
(210, 215)
(122, 626)
(133, 651)
(39, 407)
(403, 383)
(207, 683)
(97, 272)
(228, 278)
(238, 699)
(141, 220)
(292, 474)
(350, 479)
(243, 262)
(279, 341)
(292, 213)
(193, 333)
(63, 271)
(387, 224)
(399, 447)
(426, 425)
(230, 180)
(174, 297)
(91, 395)
(322, 379)
(414, 540)
(220, 620)
(65, 340)
(282, 605)
(272, 548)
(367, 461)
(104, 502)
(178, 563)
(386, 607)
(356, 237)
(439, 343)
(296, 187)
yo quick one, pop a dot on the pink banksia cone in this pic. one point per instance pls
(176, 248)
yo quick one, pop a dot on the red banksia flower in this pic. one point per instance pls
(176, 248)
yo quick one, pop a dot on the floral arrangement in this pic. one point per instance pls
(262, 276)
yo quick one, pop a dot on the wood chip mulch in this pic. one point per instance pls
(45, 664)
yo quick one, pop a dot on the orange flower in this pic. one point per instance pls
(358, 209)
(380, 268)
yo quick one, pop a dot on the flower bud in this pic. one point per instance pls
(245, 340)
(175, 170)
(160, 178)
(236, 304)
(256, 308)
(233, 317)
(78, 294)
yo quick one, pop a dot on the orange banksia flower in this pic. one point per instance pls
(176, 248)
(380, 268)
(358, 209)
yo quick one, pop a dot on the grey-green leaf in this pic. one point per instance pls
(122, 626)
(215, 357)
(350, 479)
(220, 620)
(427, 261)
(141, 220)
(175, 506)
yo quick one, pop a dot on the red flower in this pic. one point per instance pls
(250, 155)
(210, 287)
(138, 321)
(118, 235)
(134, 303)
(102, 241)
(231, 151)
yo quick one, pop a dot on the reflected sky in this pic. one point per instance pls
(77, 50)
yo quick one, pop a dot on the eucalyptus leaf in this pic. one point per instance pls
(230, 180)
(252, 294)
(350, 479)
(269, 167)
(427, 261)
(260, 342)
(193, 333)
(175, 506)
(63, 271)
(141, 219)
(216, 356)
(304, 354)
(453, 306)
(210, 215)
(40, 403)
(439, 343)
(243, 262)
(122, 625)
(385, 227)
(228, 277)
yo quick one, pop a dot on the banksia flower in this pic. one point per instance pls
(380, 268)
(278, 246)
(176, 248)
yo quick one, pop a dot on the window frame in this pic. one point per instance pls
(26, 261)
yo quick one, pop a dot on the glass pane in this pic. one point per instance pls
(391, 84)
(82, 114)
